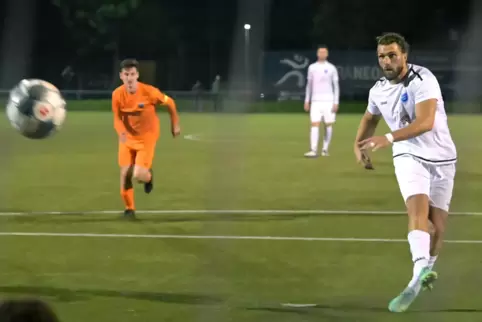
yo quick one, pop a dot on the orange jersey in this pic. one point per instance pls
(135, 114)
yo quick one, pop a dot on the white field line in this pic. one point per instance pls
(221, 237)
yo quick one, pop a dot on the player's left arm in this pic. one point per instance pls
(309, 88)
(164, 100)
(426, 97)
(336, 89)
(119, 125)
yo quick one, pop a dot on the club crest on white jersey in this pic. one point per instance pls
(396, 104)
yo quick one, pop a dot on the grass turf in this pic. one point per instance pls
(236, 162)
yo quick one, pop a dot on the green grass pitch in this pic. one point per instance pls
(101, 268)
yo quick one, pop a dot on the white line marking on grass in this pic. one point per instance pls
(228, 212)
(298, 305)
(202, 138)
(192, 137)
(225, 237)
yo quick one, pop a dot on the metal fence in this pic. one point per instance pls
(284, 101)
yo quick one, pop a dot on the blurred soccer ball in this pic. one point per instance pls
(36, 108)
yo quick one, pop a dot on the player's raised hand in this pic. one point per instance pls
(307, 107)
(374, 143)
(176, 130)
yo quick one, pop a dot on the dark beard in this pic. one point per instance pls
(393, 74)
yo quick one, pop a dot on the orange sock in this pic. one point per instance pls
(128, 198)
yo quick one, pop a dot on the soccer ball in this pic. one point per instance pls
(36, 108)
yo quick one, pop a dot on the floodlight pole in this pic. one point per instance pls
(247, 28)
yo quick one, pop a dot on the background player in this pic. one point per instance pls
(136, 122)
(410, 100)
(321, 100)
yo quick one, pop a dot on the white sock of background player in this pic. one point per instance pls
(314, 138)
(327, 137)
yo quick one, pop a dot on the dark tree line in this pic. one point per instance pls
(168, 32)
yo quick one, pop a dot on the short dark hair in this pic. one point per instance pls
(26, 310)
(392, 37)
(322, 46)
(129, 63)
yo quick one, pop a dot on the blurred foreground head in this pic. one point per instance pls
(26, 310)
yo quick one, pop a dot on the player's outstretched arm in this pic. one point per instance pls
(175, 127)
(366, 129)
(426, 94)
(424, 120)
(368, 123)
(167, 101)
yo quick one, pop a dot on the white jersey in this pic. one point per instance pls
(322, 83)
(396, 103)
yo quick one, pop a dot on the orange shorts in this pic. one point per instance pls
(140, 156)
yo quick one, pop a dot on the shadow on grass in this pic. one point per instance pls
(79, 217)
(350, 308)
(72, 295)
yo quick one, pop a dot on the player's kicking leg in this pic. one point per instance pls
(414, 180)
(315, 118)
(419, 241)
(434, 202)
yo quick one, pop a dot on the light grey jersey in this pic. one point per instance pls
(396, 103)
(322, 83)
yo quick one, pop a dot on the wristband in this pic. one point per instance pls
(389, 137)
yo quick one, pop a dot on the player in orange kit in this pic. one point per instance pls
(136, 122)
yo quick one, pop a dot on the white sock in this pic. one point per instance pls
(327, 137)
(420, 248)
(431, 261)
(314, 137)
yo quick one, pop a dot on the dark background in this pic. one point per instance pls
(191, 40)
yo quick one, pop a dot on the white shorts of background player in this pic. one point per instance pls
(322, 111)
(434, 180)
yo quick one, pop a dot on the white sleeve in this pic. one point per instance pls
(372, 107)
(336, 86)
(309, 85)
(428, 88)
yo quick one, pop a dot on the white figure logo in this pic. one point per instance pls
(298, 64)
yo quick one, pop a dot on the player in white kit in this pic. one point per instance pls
(321, 100)
(424, 155)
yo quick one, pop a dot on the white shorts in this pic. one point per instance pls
(322, 111)
(434, 180)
